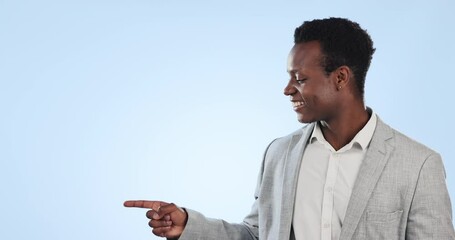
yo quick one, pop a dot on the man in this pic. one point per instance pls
(344, 175)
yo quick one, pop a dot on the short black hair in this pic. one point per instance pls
(343, 43)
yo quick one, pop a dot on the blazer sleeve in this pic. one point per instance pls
(203, 228)
(430, 215)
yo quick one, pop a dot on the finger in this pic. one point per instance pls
(144, 204)
(159, 223)
(161, 232)
(167, 209)
(139, 204)
(152, 214)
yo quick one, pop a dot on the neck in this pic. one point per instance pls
(341, 130)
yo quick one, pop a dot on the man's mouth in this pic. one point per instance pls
(298, 104)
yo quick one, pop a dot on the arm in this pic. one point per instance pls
(430, 216)
(172, 221)
(200, 227)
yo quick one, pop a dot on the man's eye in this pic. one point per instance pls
(300, 81)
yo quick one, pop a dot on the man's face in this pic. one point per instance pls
(313, 94)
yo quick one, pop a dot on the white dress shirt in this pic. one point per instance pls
(325, 182)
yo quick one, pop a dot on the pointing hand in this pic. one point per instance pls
(166, 219)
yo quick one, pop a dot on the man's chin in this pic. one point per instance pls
(304, 120)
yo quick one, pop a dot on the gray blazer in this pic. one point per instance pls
(400, 193)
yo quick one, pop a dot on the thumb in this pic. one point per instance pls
(178, 215)
(166, 209)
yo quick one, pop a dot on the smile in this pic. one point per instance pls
(298, 104)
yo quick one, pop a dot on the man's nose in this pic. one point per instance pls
(289, 89)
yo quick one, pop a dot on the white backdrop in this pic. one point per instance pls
(103, 101)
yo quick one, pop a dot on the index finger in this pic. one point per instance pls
(155, 205)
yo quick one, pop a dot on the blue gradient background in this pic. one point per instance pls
(103, 101)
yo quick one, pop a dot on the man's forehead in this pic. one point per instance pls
(304, 55)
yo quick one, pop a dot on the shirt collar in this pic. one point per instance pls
(362, 138)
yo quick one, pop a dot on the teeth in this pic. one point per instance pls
(297, 104)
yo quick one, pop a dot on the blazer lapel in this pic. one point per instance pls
(371, 169)
(292, 164)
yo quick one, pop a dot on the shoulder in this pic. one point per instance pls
(283, 141)
(403, 146)
(280, 147)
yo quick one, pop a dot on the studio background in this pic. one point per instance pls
(104, 101)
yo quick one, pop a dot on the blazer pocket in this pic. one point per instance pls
(383, 225)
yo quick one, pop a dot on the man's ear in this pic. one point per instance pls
(343, 75)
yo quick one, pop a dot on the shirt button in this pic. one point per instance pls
(329, 189)
(326, 225)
